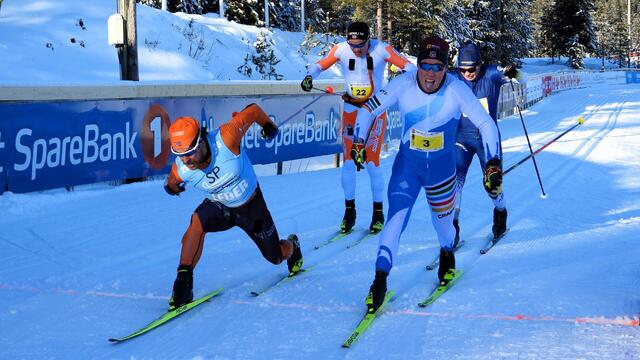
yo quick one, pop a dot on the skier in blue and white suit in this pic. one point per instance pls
(485, 80)
(431, 104)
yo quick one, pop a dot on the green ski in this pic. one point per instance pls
(441, 289)
(365, 322)
(333, 239)
(282, 280)
(364, 237)
(169, 315)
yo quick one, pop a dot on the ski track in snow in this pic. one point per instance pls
(84, 266)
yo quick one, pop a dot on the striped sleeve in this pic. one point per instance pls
(323, 64)
(376, 105)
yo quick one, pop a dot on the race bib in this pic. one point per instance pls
(485, 104)
(426, 141)
(360, 91)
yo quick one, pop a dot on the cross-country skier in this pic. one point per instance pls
(362, 62)
(485, 81)
(214, 163)
(431, 104)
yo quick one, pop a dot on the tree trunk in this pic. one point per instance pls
(389, 21)
(379, 19)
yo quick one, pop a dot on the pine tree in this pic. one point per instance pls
(243, 12)
(574, 30)
(501, 28)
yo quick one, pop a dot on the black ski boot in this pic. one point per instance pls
(499, 222)
(182, 287)
(446, 271)
(294, 262)
(377, 220)
(457, 238)
(349, 218)
(377, 292)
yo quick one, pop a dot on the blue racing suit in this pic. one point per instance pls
(427, 157)
(486, 87)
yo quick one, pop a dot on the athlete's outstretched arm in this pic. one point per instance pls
(323, 64)
(233, 131)
(398, 60)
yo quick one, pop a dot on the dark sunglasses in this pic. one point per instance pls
(432, 67)
(358, 46)
(469, 70)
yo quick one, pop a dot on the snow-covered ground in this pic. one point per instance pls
(81, 267)
(66, 41)
(84, 266)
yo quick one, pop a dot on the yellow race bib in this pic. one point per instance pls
(426, 141)
(360, 91)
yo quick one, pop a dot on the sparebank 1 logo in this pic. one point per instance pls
(154, 136)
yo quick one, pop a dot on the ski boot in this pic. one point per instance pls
(294, 262)
(447, 268)
(499, 222)
(182, 287)
(377, 291)
(457, 238)
(349, 218)
(377, 220)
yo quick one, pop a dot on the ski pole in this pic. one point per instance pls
(526, 134)
(580, 122)
(328, 90)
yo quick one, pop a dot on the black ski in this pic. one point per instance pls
(492, 242)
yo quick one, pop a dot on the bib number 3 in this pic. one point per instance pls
(426, 141)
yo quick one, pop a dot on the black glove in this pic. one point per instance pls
(269, 131)
(510, 71)
(493, 177)
(358, 153)
(307, 83)
(170, 191)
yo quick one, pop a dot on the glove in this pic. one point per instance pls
(358, 153)
(510, 71)
(269, 131)
(171, 191)
(307, 83)
(493, 177)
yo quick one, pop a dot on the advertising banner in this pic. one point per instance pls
(56, 144)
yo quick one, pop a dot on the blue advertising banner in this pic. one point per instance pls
(56, 144)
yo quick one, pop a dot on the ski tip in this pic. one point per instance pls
(483, 251)
(429, 267)
(255, 293)
(114, 340)
(422, 305)
(346, 346)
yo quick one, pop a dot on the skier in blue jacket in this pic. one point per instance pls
(485, 80)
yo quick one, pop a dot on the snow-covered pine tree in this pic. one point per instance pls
(574, 26)
(243, 12)
(502, 29)
(612, 31)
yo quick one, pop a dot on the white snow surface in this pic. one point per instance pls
(84, 266)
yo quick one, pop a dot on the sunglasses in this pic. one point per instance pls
(191, 151)
(357, 46)
(469, 70)
(432, 67)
